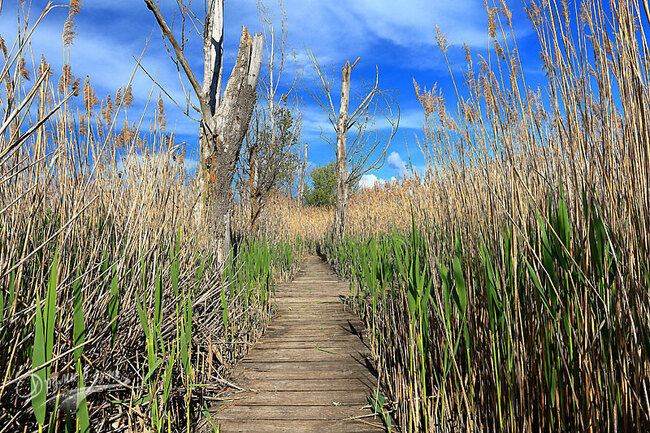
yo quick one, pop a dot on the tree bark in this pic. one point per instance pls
(224, 120)
(301, 184)
(221, 139)
(342, 127)
(213, 54)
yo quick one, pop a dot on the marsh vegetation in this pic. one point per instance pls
(504, 287)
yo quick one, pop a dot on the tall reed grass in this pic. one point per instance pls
(506, 288)
(114, 314)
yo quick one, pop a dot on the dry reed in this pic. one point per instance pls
(518, 264)
(109, 291)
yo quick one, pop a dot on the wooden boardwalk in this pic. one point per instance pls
(310, 372)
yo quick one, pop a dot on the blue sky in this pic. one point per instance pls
(398, 37)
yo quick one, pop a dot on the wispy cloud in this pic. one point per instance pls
(337, 33)
(398, 37)
(413, 22)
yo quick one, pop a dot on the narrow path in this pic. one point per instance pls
(310, 371)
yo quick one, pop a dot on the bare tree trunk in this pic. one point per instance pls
(301, 183)
(224, 120)
(221, 139)
(353, 161)
(341, 153)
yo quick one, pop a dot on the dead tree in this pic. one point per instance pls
(224, 120)
(301, 182)
(367, 149)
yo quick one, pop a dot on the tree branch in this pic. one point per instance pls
(354, 117)
(325, 87)
(167, 33)
(185, 111)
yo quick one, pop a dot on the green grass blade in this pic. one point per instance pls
(83, 418)
(50, 310)
(79, 329)
(39, 378)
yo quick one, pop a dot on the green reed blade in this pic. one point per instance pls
(169, 369)
(79, 329)
(50, 310)
(83, 417)
(114, 304)
(39, 378)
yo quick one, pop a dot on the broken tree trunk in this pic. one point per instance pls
(221, 138)
(342, 127)
(224, 119)
(353, 161)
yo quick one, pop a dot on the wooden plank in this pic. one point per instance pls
(314, 309)
(307, 317)
(271, 365)
(303, 426)
(298, 319)
(342, 372)
(316, 323)
(319, 306)
(314, 334)
(291, 412)
(310, 338)
(311, 370)
(310, 299)
(303, 355)
(302, 398)
(313, 329)
(355, 384)
(324, 344)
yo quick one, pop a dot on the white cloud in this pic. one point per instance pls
(396, 163)
(370, 181)
(413, 22)
(337, 33)
(395, 35)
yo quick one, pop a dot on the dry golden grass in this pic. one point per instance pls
(540, 206)
(102, 219)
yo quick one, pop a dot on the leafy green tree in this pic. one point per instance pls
(322, 191)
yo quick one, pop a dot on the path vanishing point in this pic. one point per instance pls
(311, 370)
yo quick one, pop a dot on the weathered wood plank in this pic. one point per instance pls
(301, 398)
(311, 370)
(302, 426)
(289, 412)
(323, 350)
(314, 320)
(309, 344)
(343, 372)
(274, 385)
(320, 366)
